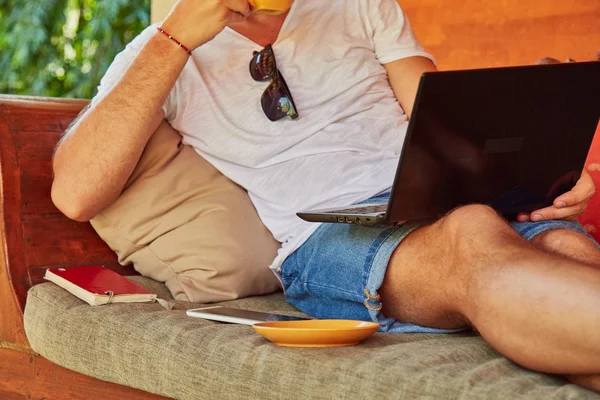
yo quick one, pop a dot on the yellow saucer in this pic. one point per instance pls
(317, 332)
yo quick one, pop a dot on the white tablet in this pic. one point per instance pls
(237, 316)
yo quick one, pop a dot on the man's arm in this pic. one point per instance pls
(98, 154)
(404, 76)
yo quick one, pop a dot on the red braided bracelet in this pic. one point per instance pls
(161, 30)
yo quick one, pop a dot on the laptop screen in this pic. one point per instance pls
(514, 138)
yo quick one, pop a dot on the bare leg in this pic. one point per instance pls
(578, 247)
(541, 310)
(569, 244)
(588, 381)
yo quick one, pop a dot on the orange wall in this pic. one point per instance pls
(485, 33)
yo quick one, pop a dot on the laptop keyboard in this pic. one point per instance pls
(367, 209)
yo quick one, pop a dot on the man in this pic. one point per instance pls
(352, 67)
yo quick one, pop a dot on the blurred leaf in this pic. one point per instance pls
(61, 48)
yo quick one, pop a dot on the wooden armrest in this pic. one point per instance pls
(34, 234)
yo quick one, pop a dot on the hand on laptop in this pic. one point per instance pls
(568, 206)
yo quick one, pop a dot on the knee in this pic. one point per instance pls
(473, 211)
(467, 231)
(471, 220)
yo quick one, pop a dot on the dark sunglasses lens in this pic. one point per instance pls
(262, 65)
(277, 103)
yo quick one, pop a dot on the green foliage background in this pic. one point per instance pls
(62, 48)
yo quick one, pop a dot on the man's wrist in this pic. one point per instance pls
(174, 39)
(166, 48)
(181, 35)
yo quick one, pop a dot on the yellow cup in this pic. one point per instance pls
(270, 7)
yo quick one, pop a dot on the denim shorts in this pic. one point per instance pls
(337, 272)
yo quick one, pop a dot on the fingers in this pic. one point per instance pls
(569, 205)
(234, 17)
(583, 190)
(240, 7)
(182, 21)
(552, 212)
(523, 217)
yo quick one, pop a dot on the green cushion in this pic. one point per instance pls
(168, 353)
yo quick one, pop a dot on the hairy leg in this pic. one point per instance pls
(539, 309)
(576, 246)
(569, 244)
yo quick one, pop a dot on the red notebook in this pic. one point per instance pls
(98, 285)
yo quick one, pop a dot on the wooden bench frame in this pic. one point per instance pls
(34, 235)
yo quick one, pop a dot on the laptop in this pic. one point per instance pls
(514, 138)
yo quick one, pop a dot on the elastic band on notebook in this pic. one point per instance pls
(165, 304)
(110, 294)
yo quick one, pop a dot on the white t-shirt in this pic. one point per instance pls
(344, 147)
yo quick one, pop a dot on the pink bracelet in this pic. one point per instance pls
(173, 39)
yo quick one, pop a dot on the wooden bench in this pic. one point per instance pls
(34, 235)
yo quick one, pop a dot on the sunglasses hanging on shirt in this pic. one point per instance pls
(277, 102)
